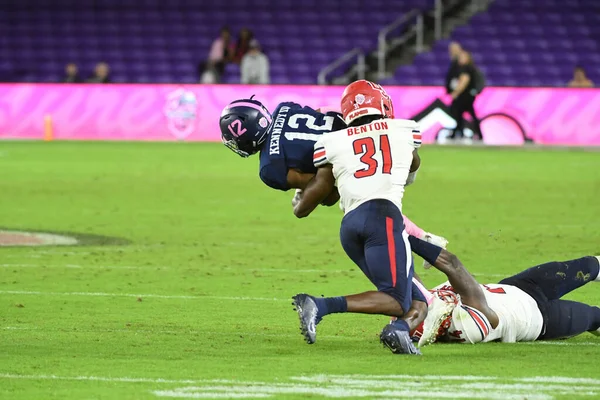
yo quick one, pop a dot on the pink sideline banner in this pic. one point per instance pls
(509, 116)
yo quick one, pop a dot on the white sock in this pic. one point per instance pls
(598, 277)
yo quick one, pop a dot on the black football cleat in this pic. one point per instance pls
(398, 341)
(307, 313)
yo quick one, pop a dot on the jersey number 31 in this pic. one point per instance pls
(366, 148)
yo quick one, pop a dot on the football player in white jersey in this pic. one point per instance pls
(371, 162)
(522, 308)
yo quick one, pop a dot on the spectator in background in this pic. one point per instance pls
(209, 75)
(454, 49)
(580, 80)
(72, 74)
(464, 94)
(243, 45)
(221, 52)
(100, 75)
(255, 65)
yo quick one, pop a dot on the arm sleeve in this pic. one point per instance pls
(416, 138)
(320, 155)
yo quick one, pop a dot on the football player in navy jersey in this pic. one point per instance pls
(286, 142)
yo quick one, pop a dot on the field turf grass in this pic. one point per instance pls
(198, 305)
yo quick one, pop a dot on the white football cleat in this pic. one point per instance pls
(438, 312)
(436, 240)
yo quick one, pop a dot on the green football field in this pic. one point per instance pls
(197, 303)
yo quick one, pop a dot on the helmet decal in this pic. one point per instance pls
(359, 99)
(236, 128)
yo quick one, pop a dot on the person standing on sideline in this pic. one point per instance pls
(255, 65)
(464, 94)
(454, 49)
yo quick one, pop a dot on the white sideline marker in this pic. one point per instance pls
(371, 386)
(147, 295)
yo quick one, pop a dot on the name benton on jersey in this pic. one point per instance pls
(277, 127)
(375, 126)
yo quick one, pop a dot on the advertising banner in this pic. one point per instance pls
(509, 116)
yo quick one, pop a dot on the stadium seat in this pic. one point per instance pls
(136, 34)
(525, 43)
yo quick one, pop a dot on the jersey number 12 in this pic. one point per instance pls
(366, 148)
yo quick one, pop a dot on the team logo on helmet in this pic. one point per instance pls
(263, 123)
(181, 110)
(359, 99)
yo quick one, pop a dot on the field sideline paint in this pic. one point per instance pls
(147, 295)
(371, 386)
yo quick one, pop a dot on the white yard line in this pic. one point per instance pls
(353, 378)
(361, 386)
(108, 379)
(78, 266)
(338, 392)
(559, 343)
(436, 378)
(140, 295)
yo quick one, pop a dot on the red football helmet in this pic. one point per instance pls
(362, 98)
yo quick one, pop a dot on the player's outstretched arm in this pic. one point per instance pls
(465, 285)
(461, 280)
(317, 190)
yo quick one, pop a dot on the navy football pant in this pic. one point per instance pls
(373, 236)
(547, 283)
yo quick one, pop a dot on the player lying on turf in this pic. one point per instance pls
(371, 162)
(524, 307)
(286, 145)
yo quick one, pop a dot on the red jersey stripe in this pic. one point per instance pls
(479, 321)
(319, 154)
(389, 228)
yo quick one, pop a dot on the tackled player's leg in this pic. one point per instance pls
(548, 282)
